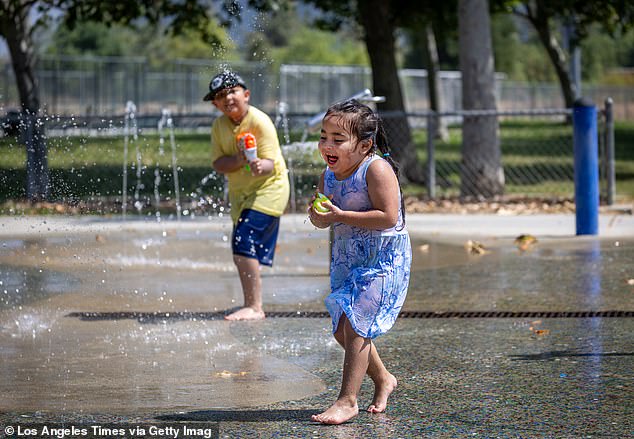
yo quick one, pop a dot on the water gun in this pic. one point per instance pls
(248, 145)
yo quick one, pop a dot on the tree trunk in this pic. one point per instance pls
(16, 30)
(433, 83)
(557, 56)
(482, 174)
(379, 38)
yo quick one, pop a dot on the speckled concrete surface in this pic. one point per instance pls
(459, 377)
(489, 378)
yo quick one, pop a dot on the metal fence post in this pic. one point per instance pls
(431, 160)
(609, 151)
(586, 160)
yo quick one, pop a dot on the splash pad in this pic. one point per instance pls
(58, 266)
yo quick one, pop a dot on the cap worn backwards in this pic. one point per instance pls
(226, 79)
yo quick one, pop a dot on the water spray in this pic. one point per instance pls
(129, 123)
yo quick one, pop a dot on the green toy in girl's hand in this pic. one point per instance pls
(320, 200)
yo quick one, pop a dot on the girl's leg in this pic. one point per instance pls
(384, 381)
(356, 360)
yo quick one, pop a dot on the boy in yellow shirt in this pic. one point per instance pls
(258, 190)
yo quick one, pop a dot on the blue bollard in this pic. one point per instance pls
(586, 151)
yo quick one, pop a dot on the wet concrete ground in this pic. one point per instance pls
(458, 377)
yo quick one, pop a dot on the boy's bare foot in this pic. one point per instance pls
(338, 413)
(382, 391)
(246, 313)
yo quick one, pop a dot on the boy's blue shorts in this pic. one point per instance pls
(255, 236)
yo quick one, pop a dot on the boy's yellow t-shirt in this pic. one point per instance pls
(268, 193)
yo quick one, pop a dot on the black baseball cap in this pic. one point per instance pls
(226, 79)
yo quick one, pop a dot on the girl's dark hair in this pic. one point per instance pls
(364, 123)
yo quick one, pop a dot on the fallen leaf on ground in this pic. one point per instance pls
(475, 248)
(525, 241)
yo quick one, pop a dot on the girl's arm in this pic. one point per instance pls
(385, 197)
(318, 219)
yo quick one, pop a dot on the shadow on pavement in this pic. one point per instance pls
(240, 415)
(567, 354)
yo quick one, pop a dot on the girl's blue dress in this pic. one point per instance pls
(369, 272)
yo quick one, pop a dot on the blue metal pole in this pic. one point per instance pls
(586, 152)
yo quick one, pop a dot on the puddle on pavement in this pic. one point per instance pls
(554, 275)
(54, 362)
(154, 271)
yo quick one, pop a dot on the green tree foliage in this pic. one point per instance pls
(279, 37)
(615, 17)
(378, 21)
(314, 46)
(506, 45)
(519, 54)
(285, 37)
(603, 55)
(17, 28)
(92, 38)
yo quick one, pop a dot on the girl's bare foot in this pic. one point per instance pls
(382, 391)
(338, 413)
(246, 313)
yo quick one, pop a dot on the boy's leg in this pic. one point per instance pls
(384, 381)
(253, 244)
(355, 365)
(249, 272)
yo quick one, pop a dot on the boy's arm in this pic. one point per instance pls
(262, 166)
(268, 148)
(221, 158)
(229, 163)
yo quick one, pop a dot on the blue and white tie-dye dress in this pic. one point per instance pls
(369, 272)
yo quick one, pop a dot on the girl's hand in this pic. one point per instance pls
(322, 219)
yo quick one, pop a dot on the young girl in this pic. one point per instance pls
(371, 251)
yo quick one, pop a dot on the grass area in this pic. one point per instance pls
(624, 164)
(537, 158)
(93, 167)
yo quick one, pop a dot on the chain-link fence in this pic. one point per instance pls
(311, 88)
(532, 157)
(483, 154)
(529, 155)
(99, 87)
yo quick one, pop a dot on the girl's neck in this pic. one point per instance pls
(348, 173)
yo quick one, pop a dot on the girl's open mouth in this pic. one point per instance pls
(331, 159)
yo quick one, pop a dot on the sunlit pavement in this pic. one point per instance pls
(479, 373)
